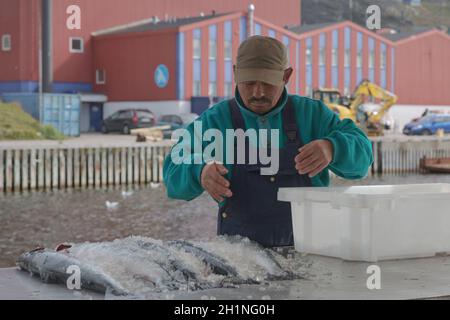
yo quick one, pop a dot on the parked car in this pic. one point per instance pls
(428, 125)
(126, 120)
(176, 121)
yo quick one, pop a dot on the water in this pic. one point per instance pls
(45, 219)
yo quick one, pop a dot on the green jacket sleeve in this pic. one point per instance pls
(352, 149)
(183, 167)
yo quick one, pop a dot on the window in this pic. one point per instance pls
(347, 56)
(212, 89)
(76, 45)
(334, 57)
(308, 57)
(6, 42)
(228, 50)
(114, 116)
(126, 115)
(383, 60)
(197, 48)
(307, 91)
(359, 59)
(100, 77)
(371, 59)
(197, 89)
(322, 57)
(212, 49)
(228, 89)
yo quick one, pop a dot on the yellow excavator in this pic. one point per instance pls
(352, 107)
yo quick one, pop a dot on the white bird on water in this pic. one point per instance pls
(127, 194)
(112, 205)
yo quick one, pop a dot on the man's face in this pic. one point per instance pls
(262, 97)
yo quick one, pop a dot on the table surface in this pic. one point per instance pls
(329, 279)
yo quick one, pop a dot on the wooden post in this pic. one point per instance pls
(90, 167)
(62, 168)
(136, 165)
(69, 177)
(110, 181)
(104, 167)
(41, 169)
(17, 164)
(33, 169)
(117, 166)
(25, 167)
(83, 162)
(142, 165)
(97, 167)
(55, 168)
(380, 158)
(129, 166)
(123, 166)
(76, 168)
(9, 170)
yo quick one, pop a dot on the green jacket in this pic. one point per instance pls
(352, 149)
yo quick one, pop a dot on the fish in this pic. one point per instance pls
(217, 264)
(51, 266)
(138, 266)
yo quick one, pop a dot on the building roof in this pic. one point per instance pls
(406, 34)
(150, 25)
(310, 27)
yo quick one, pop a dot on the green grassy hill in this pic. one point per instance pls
(16, 124)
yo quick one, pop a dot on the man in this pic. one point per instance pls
(312, 141)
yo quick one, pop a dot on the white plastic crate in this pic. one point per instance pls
(371, 223)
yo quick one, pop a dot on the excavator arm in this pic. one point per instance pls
(372, 119)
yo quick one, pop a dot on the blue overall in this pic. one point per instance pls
(254, 211)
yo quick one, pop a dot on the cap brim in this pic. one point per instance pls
(273, 77)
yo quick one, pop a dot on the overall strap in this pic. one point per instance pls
(236, 116)
(290, 122)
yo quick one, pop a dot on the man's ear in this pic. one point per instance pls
(287, 75)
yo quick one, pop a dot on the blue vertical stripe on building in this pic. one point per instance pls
(180, 65)
(272, 33)
(360, 46)
(348, 37)
(258, 29)
(228, 71)
(213, 62)
(383, 70)
(228, 31)
(322, 68)
(335, 69)
(309, 76)
(197, 65)
(243, 29)
(392, 69)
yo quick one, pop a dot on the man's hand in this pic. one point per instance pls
(314, 157)
(214, 183)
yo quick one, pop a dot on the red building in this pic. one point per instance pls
(160, 54)
(20, 20)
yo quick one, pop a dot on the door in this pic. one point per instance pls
(96, 117)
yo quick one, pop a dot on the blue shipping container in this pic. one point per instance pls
(59, 110)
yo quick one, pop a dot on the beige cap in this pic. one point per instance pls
(261, 59)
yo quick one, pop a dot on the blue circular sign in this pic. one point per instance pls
(161, 76)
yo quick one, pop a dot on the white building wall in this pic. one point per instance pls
(159, 108)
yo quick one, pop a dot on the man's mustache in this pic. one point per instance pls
(262, 100)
